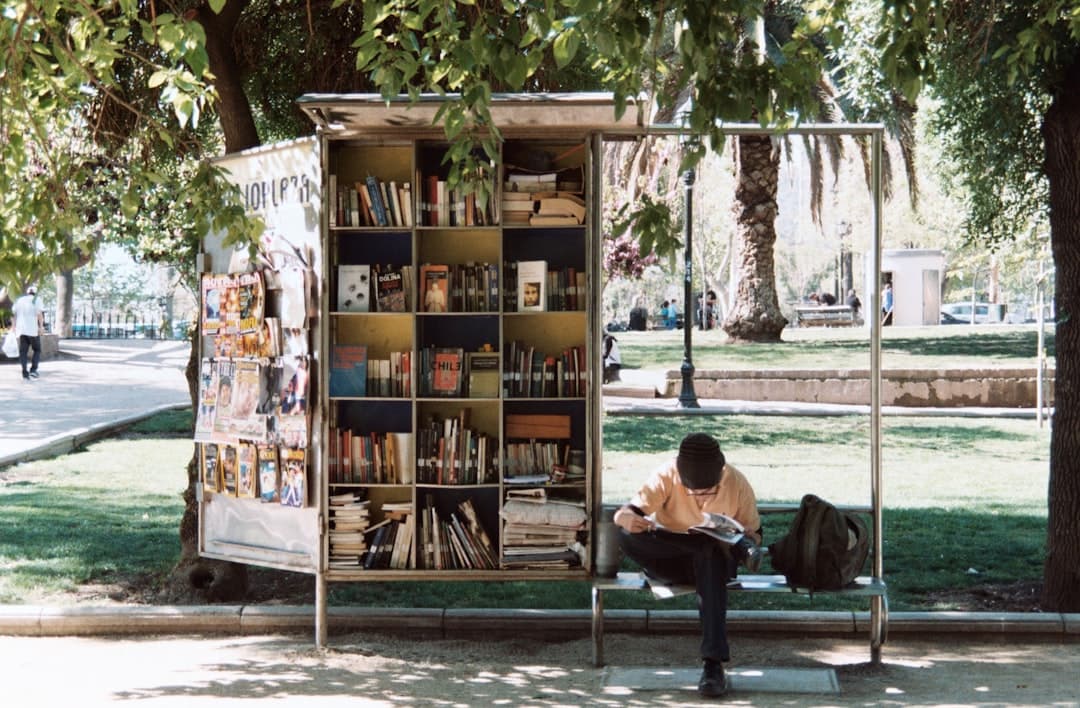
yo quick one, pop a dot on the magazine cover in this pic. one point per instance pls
(292, 428)
(226, 369)
(246, 422)
(293, 477)
(246, 470)
(269, 482)
(251, 301)
(211, 472)
(293, 301)
(208, 388)
(213, 286)
(230, 305)
(229, 463)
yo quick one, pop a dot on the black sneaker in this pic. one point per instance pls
(26, 377)
(712, 683)
(33, 374)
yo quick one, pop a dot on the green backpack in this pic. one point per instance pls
(824, 549)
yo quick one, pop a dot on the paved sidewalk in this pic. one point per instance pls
(373, 669)
(92, 388)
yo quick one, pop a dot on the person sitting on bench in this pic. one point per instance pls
(674, 497)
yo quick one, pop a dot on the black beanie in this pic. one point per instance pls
(700, 461)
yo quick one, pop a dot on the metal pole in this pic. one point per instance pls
(687, 397)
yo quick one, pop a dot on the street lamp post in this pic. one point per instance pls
(687, 397)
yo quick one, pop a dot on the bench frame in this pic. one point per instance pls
(872, 586)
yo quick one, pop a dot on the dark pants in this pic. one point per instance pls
(687, 559)
(26, 343)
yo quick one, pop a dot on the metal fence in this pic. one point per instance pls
(108, 325)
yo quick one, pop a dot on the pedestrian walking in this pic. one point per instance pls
(29, 320)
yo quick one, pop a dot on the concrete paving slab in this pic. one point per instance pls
(740, 680)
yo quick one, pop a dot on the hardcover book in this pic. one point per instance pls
(390, 289)
(354, 288)
(484, 376)
(446, 366)
(531, 286)
(348, 371)
(435, 287)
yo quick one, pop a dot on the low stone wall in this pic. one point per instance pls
(944, 388)
(50, 347)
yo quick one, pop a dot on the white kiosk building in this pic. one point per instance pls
(916, 277)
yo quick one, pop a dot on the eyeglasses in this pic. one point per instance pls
(707, 492)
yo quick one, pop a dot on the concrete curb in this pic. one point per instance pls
(67, 442)
(42, 621)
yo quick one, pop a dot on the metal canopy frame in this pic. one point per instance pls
(876, 133)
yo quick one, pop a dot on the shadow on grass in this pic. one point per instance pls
(53, 536)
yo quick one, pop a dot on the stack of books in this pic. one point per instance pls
(541, 531)
(348, 522)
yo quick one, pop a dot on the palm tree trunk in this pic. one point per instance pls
(755, 313)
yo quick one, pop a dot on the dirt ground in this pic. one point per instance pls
(382, 670)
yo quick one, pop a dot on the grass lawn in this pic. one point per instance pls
(841, 348)
(957, 492)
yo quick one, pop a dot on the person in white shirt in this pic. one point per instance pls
(29, 320)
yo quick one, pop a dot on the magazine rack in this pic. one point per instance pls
(434, 374)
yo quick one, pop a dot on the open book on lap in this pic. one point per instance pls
(721, 527)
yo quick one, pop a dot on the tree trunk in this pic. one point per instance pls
(65, 298)
(1061, 133)
(233, 107)
(213, 580)
(755, 313)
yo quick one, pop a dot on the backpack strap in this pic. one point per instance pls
(808, 541)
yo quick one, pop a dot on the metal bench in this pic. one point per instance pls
(824, 316)
(863, 586)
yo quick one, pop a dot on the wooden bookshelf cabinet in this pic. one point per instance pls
(537, 430)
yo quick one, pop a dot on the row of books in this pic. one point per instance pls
(452, 372)
(382, 287)
(248, 470)
(349, 516)
(391, 541)
(451, 452)
(371, 202)
(354, 375)
(442, 206)
(455, 543)
(530, 373)
(552, 289)
(370, 458)
(460, 287)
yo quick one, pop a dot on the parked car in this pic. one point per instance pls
(947, 319)
(962, 312)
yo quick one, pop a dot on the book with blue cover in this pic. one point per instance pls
(348, 371)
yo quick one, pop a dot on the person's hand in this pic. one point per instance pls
(625, 518)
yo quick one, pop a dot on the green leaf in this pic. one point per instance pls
(565, 47)
(217, 6)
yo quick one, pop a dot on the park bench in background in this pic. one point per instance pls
(864, 586)
(824, 316)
